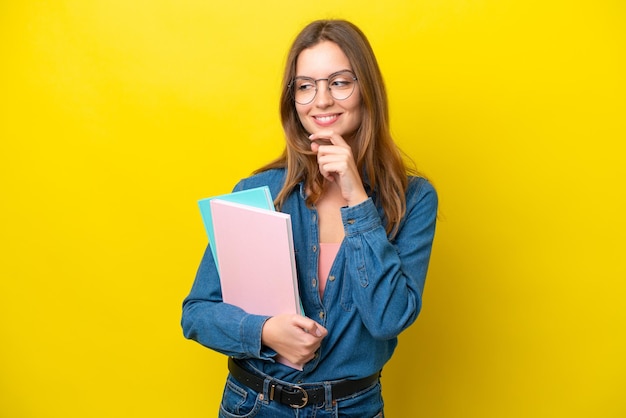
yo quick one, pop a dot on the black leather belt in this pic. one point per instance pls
(294, 395)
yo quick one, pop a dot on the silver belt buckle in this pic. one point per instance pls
(305, 398)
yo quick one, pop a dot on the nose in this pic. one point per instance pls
(323, 98)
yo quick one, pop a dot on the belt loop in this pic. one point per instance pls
(328, 396)
(267, 390)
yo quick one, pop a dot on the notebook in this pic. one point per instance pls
(256, 258)
(258, 197)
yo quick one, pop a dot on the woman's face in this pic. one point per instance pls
(343, 117)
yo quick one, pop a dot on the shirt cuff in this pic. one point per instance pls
(360, 218)
(251, 330)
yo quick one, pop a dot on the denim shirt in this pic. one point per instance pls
(374, 289)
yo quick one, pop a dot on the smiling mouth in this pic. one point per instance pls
(326, 118)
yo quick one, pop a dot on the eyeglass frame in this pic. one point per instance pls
(291, 85)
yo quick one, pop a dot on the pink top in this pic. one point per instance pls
(328, 252)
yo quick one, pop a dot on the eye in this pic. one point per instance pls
(305, 85)
(341, 82)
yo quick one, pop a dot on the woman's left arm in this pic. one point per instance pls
(388, 277)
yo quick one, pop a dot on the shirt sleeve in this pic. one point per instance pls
(388, 277)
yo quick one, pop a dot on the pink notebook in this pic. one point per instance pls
(256, 257)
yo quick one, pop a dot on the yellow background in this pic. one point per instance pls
(116, 116)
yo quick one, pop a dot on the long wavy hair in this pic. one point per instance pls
(378, 159)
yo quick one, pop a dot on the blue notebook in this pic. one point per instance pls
(259, 197)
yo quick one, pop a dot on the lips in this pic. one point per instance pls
(325, 120)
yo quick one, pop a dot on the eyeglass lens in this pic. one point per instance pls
(341, 86)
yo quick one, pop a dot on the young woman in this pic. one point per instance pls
(363, 230)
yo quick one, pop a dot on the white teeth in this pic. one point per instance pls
(325, 118)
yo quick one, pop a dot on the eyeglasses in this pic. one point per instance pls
(340, 84)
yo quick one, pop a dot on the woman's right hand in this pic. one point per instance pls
(295, 337)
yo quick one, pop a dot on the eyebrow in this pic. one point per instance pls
(329, 75)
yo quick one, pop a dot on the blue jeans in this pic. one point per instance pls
(240, 401)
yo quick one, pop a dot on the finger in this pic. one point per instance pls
(319, 146)
(327, 137)
(311, 326)
(320, 141)
(331, 138)
(323, 135)
(319, 330)
(316, 143)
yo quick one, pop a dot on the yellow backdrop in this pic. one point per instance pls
(117, 116)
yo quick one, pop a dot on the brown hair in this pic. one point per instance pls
(376, 155)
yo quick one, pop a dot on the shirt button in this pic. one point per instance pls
(331, 278)
(314, 282)
(351, 221)
(314, 248)
(322, 315)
